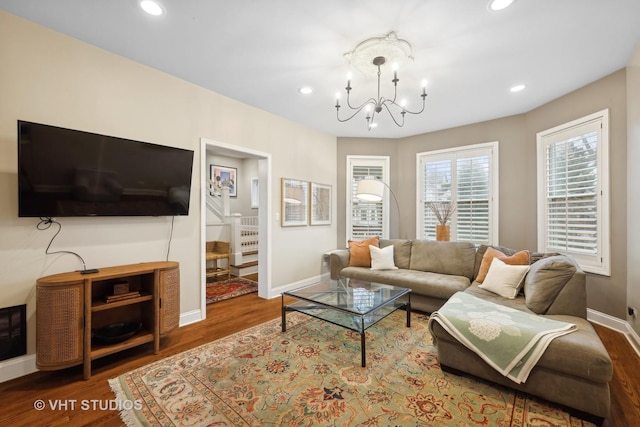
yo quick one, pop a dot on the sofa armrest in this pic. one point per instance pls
(572, 299)
(556, 285)
(337, 261)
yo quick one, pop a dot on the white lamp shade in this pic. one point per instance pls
(370, 190)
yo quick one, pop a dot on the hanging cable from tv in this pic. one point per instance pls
(45, 224)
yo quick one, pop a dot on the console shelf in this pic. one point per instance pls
(103, 305)
(98, 350)
(70, 306)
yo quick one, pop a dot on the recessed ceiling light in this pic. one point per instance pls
(152, 7)
(496, 5)
(518, 88)
(305, 90)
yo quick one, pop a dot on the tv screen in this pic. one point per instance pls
(64, 172)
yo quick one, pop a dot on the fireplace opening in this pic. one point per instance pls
(13, 331)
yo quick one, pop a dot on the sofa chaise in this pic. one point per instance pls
(575, 369)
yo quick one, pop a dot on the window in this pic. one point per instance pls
(467, 177)
(366, 219)
(255, 193)
(573, 191)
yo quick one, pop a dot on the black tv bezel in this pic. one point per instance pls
(46, 213)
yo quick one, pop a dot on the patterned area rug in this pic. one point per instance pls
(218, 291)
(311, 375)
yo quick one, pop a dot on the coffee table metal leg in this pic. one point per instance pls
(284, 316)
(409, 312)
(363, 349)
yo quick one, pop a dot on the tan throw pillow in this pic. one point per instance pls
(359, 254)
(519, 258)
(504, 279)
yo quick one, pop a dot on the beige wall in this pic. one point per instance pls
(517, 174)
(50, 78)
(633, 189)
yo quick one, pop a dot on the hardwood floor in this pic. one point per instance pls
(625, 385)
(224, 318)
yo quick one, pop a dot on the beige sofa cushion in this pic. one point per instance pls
(545, 280)
(401, 251)
(454, 258)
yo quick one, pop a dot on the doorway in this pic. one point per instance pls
(210, 147)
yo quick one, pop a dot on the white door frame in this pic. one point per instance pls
(264, 214)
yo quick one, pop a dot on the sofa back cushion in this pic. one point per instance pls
(455, 258)
(401, 251)
(546, 278)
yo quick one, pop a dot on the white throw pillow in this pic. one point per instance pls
(382, 258)
(504, 279)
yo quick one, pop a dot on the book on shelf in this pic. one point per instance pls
(123, 296)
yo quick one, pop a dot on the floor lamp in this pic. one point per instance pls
(372, 190)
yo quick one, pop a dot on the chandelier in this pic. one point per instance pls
(383, 50)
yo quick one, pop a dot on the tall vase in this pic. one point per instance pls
(443, 233)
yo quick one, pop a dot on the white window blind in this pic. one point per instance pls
(365, 218)
(467, 177)
(437, 188)
(573, 181)
(473, 201)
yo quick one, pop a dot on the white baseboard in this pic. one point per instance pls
(17, 367)
(617, 325)
(190, 317)
(295, 285)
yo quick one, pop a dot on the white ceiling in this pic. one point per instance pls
(260, 52)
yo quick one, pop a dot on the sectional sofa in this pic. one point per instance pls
(575, 369)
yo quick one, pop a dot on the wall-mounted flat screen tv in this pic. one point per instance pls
(66, 173)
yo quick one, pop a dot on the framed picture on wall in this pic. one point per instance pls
(319, 204)
(294, 202)
(226, 177)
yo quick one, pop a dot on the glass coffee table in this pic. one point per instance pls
(352, 304)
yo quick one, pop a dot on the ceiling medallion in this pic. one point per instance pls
(370, 57)
(389, 46)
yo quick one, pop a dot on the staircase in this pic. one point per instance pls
(244, 232)
(218, 201)
(244, 244)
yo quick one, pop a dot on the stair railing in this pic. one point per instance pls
(244, 237)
